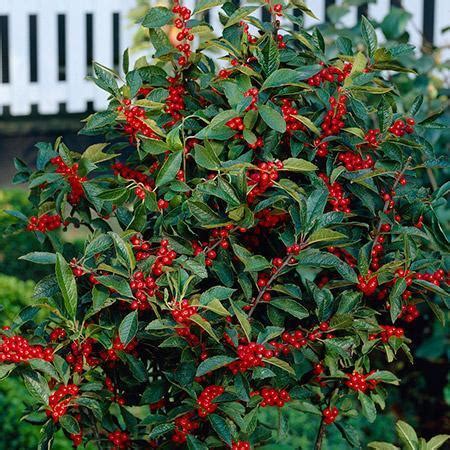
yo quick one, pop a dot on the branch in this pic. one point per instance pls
(323, 425)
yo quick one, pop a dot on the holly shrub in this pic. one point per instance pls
(258, 236)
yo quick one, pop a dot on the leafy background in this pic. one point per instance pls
(426, 383)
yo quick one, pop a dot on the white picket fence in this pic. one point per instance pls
(48, 92)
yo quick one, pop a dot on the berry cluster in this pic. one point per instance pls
(259, 143)
(333, 121)
(141, 248)
(338, 199)
(184, 35)
(119, 439)
(409, 313)
(289, 111)
(142, 287)
(290, 340)
(59, 401)
(57, 334)
(184, 425)
(71, 174)
(377, 252)
(437, 278)
(77, 439)
(224, 74)
(280, 42)
(273, 397)
(329, 415)
(164, 257)
(163, 204)
(183, 311)
(399, 128)
(277, 9)
(371, 137)
(253, 93)
(322, 148)
(175, 101)
(241, 445)
(206, 398)
(387, 332)
(262, 179)
(80, 353)
(237, 123)
(358, 382)
(44, 223)
(367, 285)
(269, 219)
(118, 346)
(16, 349)
(131, 174)
(218, 237)
(250, 355)
(135, 121)
(331, 74)
(354, 161)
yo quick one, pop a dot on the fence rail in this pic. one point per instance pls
(47, 46)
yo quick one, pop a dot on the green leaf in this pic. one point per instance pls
(216, 292)
(368, 407)
(325, 234)
(395, 298)
(243, 321)
(124, 251)
(195, 444)
(369, 35)
(385, 376)
(203, 5)
(213, 363)
(290, 306)
(95, 153)
(272, 118)
(308, 123)
(205, 325)
(160, 430)
(437, 441)
(268, 57)
(239, 14)
(69, 424)
(117, 284)
(67, 285)
(382, 446)
(40, 257)
(169, 169)
(281, 77)
(100, 120)
(37, 386)
(407, 435)
(128, 328)
(298, 165)
(154, 146)
(45, 367)
(157, 17)
(205, 157)
(161, 42)
(205, 215)
(283, 365)
(221, 427)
